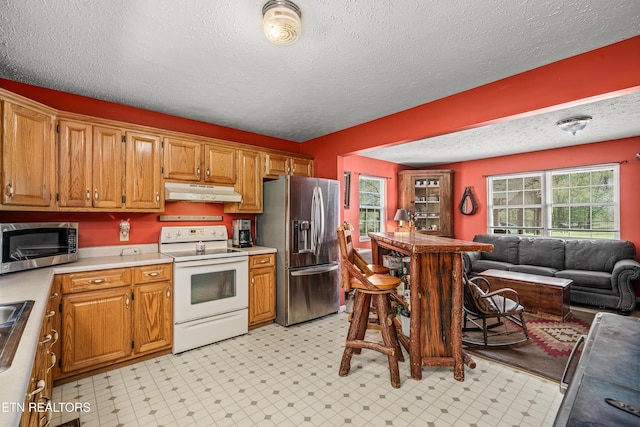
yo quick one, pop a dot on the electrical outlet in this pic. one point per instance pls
(130, 251)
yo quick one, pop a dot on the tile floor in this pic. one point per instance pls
(276, 376)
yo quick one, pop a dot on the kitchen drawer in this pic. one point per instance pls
(95, 280)
(152, 273)
(264, 260)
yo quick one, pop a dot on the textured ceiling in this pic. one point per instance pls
(611, 119)
(356, 60)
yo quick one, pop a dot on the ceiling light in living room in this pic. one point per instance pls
(281, 21)
(573, 124)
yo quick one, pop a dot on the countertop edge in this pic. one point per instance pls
(258, 250)
(36, 285)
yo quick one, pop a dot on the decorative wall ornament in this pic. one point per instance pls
(347, 189)
(468, 205)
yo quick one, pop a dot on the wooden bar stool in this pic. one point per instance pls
(372, 289)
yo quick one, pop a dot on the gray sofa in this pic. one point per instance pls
(603, 270)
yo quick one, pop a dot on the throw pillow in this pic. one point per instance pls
(485, 305)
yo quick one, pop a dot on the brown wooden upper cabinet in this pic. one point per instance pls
(27, 155)
(143, 175)
(90, 160)
(280, 164)
(249, 183)
(93, 160)
(198, 162)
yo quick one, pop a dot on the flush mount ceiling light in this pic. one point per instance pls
(573, 124)
(281, 21)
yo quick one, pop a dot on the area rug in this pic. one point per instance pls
(546, 353)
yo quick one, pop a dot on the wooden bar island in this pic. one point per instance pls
(436, 296)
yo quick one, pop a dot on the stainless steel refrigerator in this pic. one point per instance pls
(300, 220)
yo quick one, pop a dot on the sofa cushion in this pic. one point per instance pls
(542, 251)
(590, 279)
(597, 254)
(534, 269)
(486, 264)
(505, 248)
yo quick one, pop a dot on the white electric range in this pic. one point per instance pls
(211, 285)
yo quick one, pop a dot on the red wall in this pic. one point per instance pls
(598, 74)
(72, 103)
(100, 229)
(621, 151)
(358, 165)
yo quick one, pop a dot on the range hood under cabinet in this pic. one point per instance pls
(200, 193)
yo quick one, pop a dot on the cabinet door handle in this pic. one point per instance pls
(157, 197)
(55, 336)
(88, 194)
(95, 194)
(98, 281)
(41, 385)
(198, 171)
(126, 302)
(46, 339)
(9, 190)
(54, 295)
(54, 359)
(253, 281)
(208, 173)
(152, 274)
(168, 293)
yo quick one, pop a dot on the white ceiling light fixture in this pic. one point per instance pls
(281, 21)
(574, 124)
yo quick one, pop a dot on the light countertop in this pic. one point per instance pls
(35, 285)
(258, 250)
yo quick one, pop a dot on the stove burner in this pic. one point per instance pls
(197, 243)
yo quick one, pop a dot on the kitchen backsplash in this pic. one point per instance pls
(103, 229)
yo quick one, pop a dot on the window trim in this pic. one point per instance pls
(547, 198)
(383, 196)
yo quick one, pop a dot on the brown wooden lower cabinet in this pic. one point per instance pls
(153, 322)
(262, 289)
(96, 328)
(103, 325)
(40, 389)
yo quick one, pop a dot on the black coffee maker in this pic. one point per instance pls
(241, 233)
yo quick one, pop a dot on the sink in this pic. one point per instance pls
(6, 313)
(13, 319)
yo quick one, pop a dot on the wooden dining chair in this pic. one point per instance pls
(370, 289)
(348, 250)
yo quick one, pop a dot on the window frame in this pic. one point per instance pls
(383, 194)
(547, 204)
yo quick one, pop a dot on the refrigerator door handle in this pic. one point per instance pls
(317, 221)
(314, 271)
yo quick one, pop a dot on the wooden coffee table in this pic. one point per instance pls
(541, 295)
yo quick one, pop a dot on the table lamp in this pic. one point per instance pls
(400, 216)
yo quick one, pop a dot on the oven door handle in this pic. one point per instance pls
(314, 271)
(214, 261)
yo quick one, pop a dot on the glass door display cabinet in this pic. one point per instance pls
(427, 196)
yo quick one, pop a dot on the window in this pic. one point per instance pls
(579, 202)
(371, 205)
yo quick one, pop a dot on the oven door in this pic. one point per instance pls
(210, 287)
